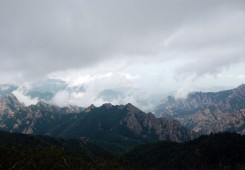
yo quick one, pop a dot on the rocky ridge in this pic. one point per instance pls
(208, 112)
(117, 124)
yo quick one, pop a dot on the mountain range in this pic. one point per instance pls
(200, 112)
(122, 126)
(207, 112)
(123, 136)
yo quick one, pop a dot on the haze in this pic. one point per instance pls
(154, 47)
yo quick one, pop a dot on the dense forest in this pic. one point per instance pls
(214, 151)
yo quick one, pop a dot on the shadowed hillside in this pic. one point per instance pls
(121, 127)
(216, 151)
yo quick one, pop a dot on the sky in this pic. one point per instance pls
(154, 46)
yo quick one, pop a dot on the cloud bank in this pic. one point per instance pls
(151, 45)
(40, 37)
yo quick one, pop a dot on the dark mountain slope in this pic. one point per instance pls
(126, 120)
(85, 147)
(216, 151)
(20, 151)
(123, 126)
(119, 126)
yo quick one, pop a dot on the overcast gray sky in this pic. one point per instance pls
(155, 45)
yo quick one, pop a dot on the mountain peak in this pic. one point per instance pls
(241, 89)
(132, 108)
(11, 99)
(91, 107)
(129, 104)
(10, 104)
(107, 105)
(41, 103)
(241, 86)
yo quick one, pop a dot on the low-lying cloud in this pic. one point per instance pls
(21, 95)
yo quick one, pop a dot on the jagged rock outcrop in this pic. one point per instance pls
(45, 107)
(9, 106)
(16, 117)
(160, 128)
(125, 124)
(208, 112)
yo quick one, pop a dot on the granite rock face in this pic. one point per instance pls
(107, 122)
(207, 112)
(147, 125)
(16, 117)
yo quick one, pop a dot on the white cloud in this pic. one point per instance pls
(61, 98)
(241, 76)
(20, 93)
(83, 34)
(129, 76)
(93, 85)
(154, 46)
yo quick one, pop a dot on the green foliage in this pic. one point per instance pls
(48, 157)
(214, 151)
(219, 151)
(19, 151)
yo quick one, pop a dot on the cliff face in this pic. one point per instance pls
(34, 119)
(9, 105)
(147, 125)
(124, 123)
(208, 112)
